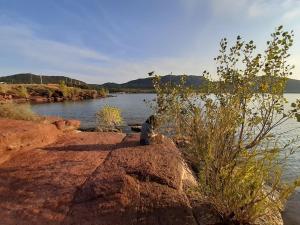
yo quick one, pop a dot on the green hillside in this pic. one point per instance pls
(146, 83)
(138, 85)
(29, 78)
(292, 86)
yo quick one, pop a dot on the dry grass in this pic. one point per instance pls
(4, 88)
(17, 112)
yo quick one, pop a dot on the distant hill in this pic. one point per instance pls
(146, 83)
(138, 85)
(292, 86)
(29, 78)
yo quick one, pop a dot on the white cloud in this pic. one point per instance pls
(27, 43)
(287, 9)
(291, 15)
(259, 8)
(227, 7)
(40, 55)
(190, 6)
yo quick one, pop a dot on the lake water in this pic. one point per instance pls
(135, 109)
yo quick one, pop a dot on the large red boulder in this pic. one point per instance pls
(135, 185)
(73, 123)
(67, 125)
(60, 124)
(38, 186)
(17, 135)
(38, 99)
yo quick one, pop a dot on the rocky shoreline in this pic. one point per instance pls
(43, 99)
(51, 173)
(46, 93)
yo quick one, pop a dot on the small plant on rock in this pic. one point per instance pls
(109, 118)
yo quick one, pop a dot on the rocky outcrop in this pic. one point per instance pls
(39, 99)
(45, 93)
(5, 98)
(18, 135)
(38, 186)
(67, 125)
(95, 178)
(90, 178)
(134, 185)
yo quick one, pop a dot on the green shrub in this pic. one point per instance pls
(75, 91)
(17, 112)
(103, 92)
(67, 91)
(108, 118)
(92, 93)
(4, 88)
(49, 92)
(228, 129)
(22, 92)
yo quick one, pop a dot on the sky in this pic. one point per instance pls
(100, 41)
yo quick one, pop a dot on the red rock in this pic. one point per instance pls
(67, 125)
(16, 135)
(51, 119)
(82, 178)
(135, 185)
(20, 100)
(38, 186)
(73, 124)
(59, 99)
(38, 99)
(60, 124)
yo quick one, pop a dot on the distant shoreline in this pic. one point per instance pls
(47, 93)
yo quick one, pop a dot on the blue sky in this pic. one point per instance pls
(116, 40)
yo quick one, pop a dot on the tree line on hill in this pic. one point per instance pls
(138, 85)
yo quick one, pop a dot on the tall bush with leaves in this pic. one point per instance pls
(229, 129)
(67, 91)
(22, 91)
(103, 92)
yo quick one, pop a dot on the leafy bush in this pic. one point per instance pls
(17, 112)
(49, 92)
(103, 92)
(67, 91)
(4, 88)
(92, 93)
(108, 118)
(77, 91)
(21, 91)
(229, 129)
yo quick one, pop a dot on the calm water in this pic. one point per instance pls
(136, 110)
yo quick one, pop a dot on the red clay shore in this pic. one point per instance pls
(62, 176)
